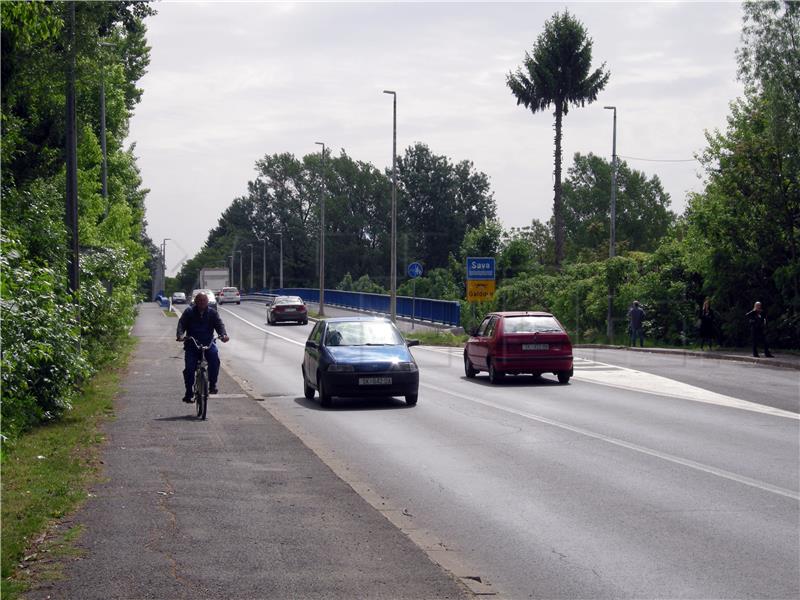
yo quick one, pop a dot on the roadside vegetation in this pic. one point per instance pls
(60, 348)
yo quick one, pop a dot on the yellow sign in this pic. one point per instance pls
(480, 290)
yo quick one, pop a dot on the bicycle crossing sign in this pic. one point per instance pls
(414, 270)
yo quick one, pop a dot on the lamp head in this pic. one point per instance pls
(610, 107)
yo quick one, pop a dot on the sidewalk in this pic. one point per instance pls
(782, 360)
(234, 507)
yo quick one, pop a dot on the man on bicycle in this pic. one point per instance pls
(200, 322)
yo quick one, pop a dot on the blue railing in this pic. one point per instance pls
(424, 309)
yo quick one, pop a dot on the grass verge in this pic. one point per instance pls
(46, 475)
(437, 338)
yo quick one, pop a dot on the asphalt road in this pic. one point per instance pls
(642, 479)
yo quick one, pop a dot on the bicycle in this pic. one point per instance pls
(200, 389)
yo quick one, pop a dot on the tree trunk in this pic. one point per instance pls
(558, 209)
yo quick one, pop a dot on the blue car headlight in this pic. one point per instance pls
(405, 367)
(334, 368)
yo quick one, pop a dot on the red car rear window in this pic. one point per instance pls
(530, 324)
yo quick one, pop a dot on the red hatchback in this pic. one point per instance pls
(519, 342)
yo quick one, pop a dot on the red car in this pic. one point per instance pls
(519, 342)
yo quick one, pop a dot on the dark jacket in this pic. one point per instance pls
(200, 326)
(636, 315)
(758, 320)
(707, 323)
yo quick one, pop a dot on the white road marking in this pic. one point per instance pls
(638, 381)
(277, 335)
(630, 446)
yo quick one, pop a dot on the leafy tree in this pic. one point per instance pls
(558, 72)
(438, 202)
(41, 368)
(643, 216)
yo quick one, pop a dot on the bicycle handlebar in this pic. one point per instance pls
(198, 344)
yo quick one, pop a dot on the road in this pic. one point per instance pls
(659, 477)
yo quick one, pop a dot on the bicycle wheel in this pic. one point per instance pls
(201, 398)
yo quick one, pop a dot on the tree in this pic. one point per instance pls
(643, 216)
(438, 202)
(558, 72)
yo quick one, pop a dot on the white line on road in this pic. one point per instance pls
(277, 335)
(630, 446)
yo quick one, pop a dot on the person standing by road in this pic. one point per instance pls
(636, 323)
(758, 327)
(707, 320)
(200, 322)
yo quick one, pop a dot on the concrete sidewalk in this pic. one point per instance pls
(232, 507)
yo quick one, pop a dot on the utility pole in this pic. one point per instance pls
(71, 217)
(612, 238)
(322, 238)
(393, 251)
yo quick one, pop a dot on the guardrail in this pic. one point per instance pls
(446, 312)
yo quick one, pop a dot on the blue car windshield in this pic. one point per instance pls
(363, 333)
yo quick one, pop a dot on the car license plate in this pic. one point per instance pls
(535, 346)
(291, 310)
(374, 381)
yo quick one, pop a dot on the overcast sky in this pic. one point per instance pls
(230, 82)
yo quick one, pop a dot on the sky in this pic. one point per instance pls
(231, 82)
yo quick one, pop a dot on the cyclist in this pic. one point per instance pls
(200, 322)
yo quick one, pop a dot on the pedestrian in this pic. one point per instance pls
(199, 321)
(758, 327)
(706, 321)
(636, 323)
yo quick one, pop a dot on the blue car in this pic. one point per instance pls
(359, 356)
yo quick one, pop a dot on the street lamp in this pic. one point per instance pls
(322, 238)
(264, 263)
(393, 251)
(612, 237)
(103, 124)
(241, 279)
(280, 276)
(251, 266)
(164, 263)
(230, 267)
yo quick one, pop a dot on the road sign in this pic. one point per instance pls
(480, 290)
(414, 270)
(480, 267)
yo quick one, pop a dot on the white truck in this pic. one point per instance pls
(213, 279)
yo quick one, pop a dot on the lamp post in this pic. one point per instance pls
(241, 279)
(264, 264)
(393, 251)
(230, 267)
(103, 124)
(164, 264)
(251, 266)
(280, 275)
(322, 238)
(612, 237)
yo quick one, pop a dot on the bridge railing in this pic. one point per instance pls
(446, 312)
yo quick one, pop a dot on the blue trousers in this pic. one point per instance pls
(637, 333)
(192, 357)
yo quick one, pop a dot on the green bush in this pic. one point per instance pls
(41, 360)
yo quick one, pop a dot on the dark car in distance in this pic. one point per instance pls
(519, 342)
(359, 356)
(287, 308)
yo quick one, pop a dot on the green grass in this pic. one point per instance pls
(46, 475)
(437, 338)
(170, 313)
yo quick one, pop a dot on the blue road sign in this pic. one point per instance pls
(480, 267)
(414, 270)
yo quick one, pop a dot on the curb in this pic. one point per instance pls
(767, 362)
